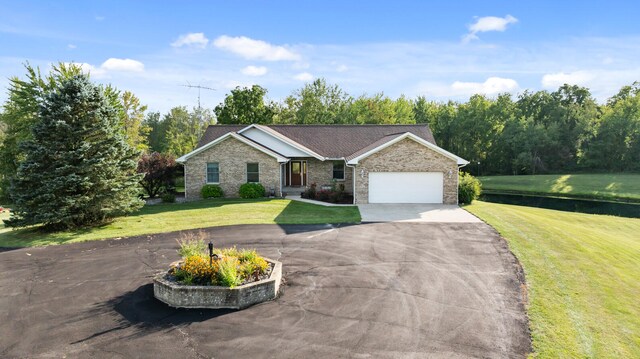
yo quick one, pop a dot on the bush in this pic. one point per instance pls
(469, 188)
(168, 198)
(252, 190)
(323, 195)
(310, 192)
(197, 270)
(211, 191)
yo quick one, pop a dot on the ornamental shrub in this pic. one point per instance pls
(469, 188)
(310, 192)
(158, 170)
(228, 274)
(197, 270)
(168, 198)
(211, 191)
(251, 190)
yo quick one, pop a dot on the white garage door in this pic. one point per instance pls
(405, 187)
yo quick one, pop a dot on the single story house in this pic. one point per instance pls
(376, 163)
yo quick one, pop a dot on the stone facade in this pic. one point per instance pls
(232, 157)
(321, 172)
(408, 156)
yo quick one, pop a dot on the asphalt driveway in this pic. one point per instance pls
(380, 290)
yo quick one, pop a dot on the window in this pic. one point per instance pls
(338, 170)
(213, 173)
(253, 172)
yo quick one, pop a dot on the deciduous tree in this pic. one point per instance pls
(158, 171)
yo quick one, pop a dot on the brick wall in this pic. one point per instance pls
(408, 156)
(232, 157)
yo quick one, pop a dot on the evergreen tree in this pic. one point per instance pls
(20, 112)
(79, 169)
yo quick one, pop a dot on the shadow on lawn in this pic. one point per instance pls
(141, 311)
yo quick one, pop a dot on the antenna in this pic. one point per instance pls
(199, 87)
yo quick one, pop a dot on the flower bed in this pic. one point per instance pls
(231, 278)
(330, 194)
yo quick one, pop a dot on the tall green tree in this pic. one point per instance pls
(185, 128)
(20, 113)
(157, 135)
(316, 103)
(245, 106)
(615, 145)
(377, 109)
(425, 111)
(79, 169)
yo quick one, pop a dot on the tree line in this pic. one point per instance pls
(529, 133)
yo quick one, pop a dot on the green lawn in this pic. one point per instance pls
(618, 186)
(178, 216)
(583, 273)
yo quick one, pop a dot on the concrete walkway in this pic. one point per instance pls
(410, 212)
(320, 203)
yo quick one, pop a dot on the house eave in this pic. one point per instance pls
(184, 158)
(285, 139)
(459, 160)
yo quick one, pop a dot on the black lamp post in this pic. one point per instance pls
(210, 253)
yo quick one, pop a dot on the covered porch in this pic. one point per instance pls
(299, 173)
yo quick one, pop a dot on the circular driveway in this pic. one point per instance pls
(379, 290)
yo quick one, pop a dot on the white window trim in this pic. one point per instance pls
(206, 173)
(246, 172)
(344, 172)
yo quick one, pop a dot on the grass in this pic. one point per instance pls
(613, 186)
(179, 216)
(583, 274)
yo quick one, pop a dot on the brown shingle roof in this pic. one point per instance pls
(333, 141)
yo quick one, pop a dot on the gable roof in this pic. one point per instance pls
(238, 137)
(390, 140)
(329, 141)
(349, 142)
(283, 138)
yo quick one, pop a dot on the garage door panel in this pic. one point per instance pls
(405, 187)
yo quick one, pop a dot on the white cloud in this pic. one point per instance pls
(303, 76)
(100, 18)
(255, 49)
(555, 80)
(71, 46)
(254, 70)
(127, 65)
(342, 68)
(194, 39)
(488, 23)
(492, 86)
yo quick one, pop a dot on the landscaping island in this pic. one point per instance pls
(219, 278)
(175, 294)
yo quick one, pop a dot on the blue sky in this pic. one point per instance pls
(442, 50)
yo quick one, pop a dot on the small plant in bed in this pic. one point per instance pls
(230, 267)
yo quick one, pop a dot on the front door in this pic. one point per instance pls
(296, 173)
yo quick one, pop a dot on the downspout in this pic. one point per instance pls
(184, 170)
(353, 178)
